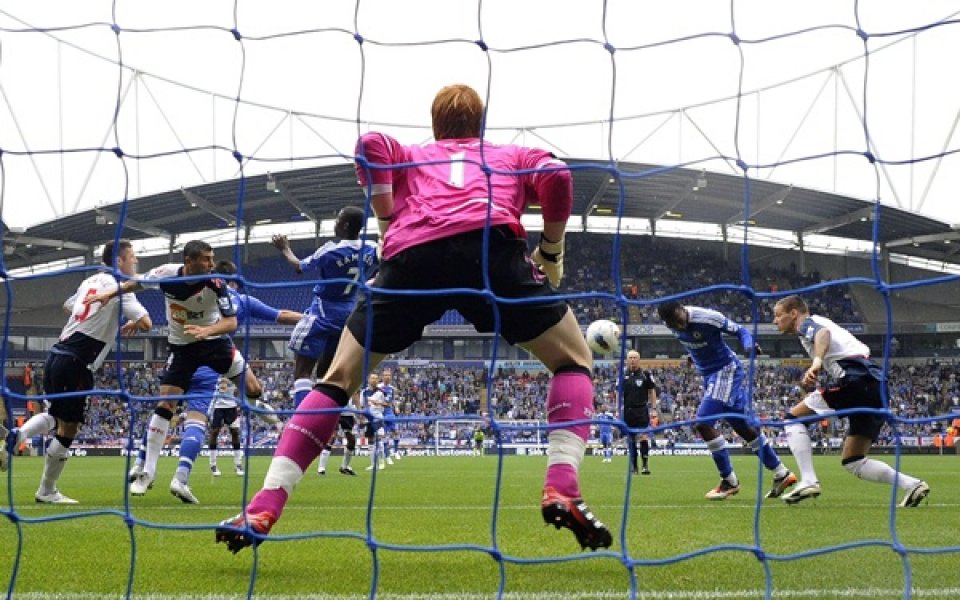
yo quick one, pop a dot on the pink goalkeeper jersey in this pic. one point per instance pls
(441, 190)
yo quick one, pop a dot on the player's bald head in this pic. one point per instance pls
(457, 113)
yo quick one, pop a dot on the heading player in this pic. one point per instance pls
(700, 331)
(200, 315)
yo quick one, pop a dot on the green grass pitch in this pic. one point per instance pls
(88, 552)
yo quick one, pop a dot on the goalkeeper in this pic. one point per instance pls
(449, 216)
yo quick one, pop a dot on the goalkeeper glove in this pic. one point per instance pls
(548, 256)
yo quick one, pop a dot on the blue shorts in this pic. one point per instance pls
(389, 421)
(606, 439)
(319, 328)
(725, 392)
(203, 385)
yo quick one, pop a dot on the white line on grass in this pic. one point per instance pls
(599, 595)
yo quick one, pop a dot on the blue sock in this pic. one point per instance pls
(396, 445)
(718, 449)
(767, 454)
(301, 387)
(142, 451)
(190, 445)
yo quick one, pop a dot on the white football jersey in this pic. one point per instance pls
(97, 320)
(189, 302)
(843, 344)
(374, 400)
(221, 400)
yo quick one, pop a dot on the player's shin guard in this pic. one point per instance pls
(190, 445)
(798, 439)
(156, 435)
(721, 458)
(58, 452)
(570, 399)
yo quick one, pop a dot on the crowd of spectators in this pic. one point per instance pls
(441, 393)
(651, 269)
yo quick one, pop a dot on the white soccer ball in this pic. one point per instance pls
(603, 336)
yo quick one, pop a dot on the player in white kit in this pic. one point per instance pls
(857, 383)
(86, 340)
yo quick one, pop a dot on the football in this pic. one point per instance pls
(603, 336)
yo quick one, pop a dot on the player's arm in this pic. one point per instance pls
(281, 243)
(746, 339)
(138, 319)
(552, 185)
(288, 317)
(70, 303)
(378, 149)
(821, 342)
(127, 287)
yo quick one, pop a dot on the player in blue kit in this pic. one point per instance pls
(605, 431)
(314, 339)
(700, 331)
(391, 441)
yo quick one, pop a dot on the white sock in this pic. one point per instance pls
(880, 472)
(238, 458)
(213, 458)
(53, 465)
(282, 473)
(324, 457)
(36, 425)
(156, 434)
(565, 448)
(347, 455)
(798, 438)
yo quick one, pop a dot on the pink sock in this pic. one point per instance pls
(563, 478)
(301, 441)
(271, 501)
(570, 399)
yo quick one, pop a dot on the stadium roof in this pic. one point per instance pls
(651, 192)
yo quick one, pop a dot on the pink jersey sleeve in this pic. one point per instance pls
(552, 184)
(377, 149)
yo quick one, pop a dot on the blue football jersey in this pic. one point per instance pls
(344, 259)
(248, 307)
(703, 339)
(605, 426)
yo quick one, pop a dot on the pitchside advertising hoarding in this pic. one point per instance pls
(913, 445)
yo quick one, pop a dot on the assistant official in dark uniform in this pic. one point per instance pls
(639, 392)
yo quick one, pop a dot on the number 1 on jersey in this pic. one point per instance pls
(457, 169)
